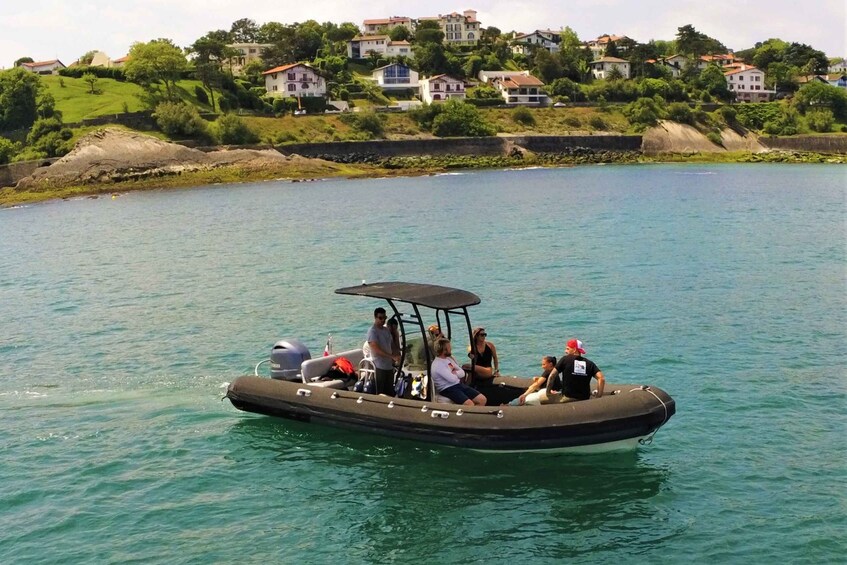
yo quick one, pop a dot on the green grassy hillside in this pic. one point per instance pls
(76, 103)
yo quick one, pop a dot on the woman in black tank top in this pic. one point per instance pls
(487, 364)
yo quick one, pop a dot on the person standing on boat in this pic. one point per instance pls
(381, 344)
(447, 375)
(576, 372)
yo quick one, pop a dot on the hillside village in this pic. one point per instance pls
(608, 60)
(400, 63)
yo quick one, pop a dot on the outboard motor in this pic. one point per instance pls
(286, 357)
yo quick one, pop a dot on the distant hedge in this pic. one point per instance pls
(99, 72)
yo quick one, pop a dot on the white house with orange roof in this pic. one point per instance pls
(598, 46)
(604, 66)
(295, 80)
(521, 90)
(747, 84)
(43, 67)
(379, 26)
(439, 88)
(361, 46)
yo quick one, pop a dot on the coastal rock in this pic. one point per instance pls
(672, 137)
(114, 155)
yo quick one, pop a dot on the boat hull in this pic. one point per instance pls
(615, 421)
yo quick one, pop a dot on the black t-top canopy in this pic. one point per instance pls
(429, 295)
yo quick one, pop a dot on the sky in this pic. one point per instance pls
(65, 30)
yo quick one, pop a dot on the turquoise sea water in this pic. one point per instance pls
(121, 321)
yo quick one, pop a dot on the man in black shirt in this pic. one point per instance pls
(576, 372)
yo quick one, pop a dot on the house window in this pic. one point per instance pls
(292, 76)
(470, 35)
(740, 78)
(292, 87)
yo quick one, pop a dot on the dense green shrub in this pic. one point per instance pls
(200, 94)
(425, 115)
(180, 119)
(370, 123)
(100, 72)
(573, 121)
(231, 130)
(460, 119)
(598, 123)
(715, 138)
(728, 114)
(645, 112)
(680, 112)
(523, 116)
(755, 115)
(486, 92)
(7, 149)
(820, 120)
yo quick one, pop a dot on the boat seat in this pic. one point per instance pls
(442, 399)
(318, 367)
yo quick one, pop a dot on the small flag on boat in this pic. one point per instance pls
(328, 346)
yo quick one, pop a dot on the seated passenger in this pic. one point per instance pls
(577, 372)
(486, 363)
(447, 376)
(536, 393)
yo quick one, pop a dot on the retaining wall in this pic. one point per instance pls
(13, 172)
(814, 143)
(486, 146)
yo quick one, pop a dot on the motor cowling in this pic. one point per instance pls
(286, 357)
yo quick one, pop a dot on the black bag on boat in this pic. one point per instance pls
(402, 384)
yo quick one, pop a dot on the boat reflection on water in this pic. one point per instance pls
(392, 493)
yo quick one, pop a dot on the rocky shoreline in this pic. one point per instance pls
(115, 160)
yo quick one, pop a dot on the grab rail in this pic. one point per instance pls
(259, 364)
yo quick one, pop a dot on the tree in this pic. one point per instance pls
(23, 60)
(20, 91)
(691, 42)
(156, 61)
(211, 51)
(713, 81)
(7, 149)
(87, 57)
(399, 33)
(91, 79)
(546, 67)
(430, 58)
(244, 30)
(429, 31)
(818, 94)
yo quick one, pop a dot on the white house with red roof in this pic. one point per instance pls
(43, 67)
(521, 90)
(439, 88)
(604, 66)
(747, 84)
(361, 46)
(295, 80)
(378, 26)
(598, 46)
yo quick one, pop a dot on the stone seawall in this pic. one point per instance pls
(13, 172)
(483, 146)
(813, 143)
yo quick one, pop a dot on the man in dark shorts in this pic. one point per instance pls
(576, 372)
(447, 374)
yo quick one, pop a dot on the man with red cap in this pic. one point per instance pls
(576, 373)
